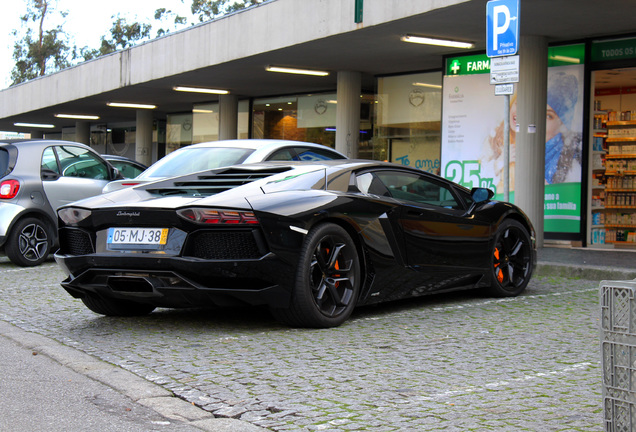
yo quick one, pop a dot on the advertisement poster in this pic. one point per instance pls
(473, 136)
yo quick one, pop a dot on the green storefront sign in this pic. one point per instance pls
(622, 49)
(480, 63)
(468, 65)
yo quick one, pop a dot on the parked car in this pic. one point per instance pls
(38, 176)
(311, 241)
(216, 154)
(128, 168)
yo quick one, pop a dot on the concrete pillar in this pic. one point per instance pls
(83, 132)
(348, 113)
(530, 140)
(143, 137)
(37, 134)
(228, 117)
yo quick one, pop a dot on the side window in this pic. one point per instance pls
(283, 155)
(369, 183)
(79, 162)
(314, 154)
(419, 189)
(48, 160)
(126, 169)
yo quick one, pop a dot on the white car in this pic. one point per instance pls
(216, 154)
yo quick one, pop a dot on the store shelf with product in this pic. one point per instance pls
(613, 179)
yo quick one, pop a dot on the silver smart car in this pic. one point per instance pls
(38, 176)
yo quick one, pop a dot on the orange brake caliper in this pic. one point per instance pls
(498, 272)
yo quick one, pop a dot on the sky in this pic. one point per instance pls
(87, 21)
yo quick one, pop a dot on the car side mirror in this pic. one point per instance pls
(481, 194)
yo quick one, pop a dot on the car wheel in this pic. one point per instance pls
(29, 242)
(511, 260)
(327, 280)
(115, 307)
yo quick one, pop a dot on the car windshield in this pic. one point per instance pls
(191, 160)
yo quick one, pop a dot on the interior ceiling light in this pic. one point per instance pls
(131, 105)
(439, 42)
(296, 71)
(565, 59)
(34, 125)
(200, 90)
(435, 86)
(77, 116)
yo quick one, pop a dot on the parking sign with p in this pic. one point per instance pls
(502, 27)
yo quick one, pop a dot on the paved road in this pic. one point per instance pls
(456, 362)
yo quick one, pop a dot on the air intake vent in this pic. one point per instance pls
(216, 181)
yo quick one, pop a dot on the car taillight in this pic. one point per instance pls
(9, 189)
(224, 217)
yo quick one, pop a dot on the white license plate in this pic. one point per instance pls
(145, 238)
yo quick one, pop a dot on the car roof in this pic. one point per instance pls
(20, 142)
(120, 158)
(255, 143)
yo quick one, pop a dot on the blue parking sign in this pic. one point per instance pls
(502, 27)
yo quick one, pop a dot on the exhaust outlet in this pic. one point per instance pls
(130, 284)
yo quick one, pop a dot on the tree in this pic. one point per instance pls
(122, 35)
(42, 50)
(45, 51)
(210, 9)
(175, 21)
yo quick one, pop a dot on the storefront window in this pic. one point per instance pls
(408, 120)
(178, 131)
(612, 152)
(205, 122)
(310, 118)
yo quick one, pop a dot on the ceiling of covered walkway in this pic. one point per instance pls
(374, 51)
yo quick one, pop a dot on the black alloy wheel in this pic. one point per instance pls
(29, 242)
(511, 260)
(327, 281)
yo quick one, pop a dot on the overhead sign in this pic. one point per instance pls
(502, 27)
(504, 70)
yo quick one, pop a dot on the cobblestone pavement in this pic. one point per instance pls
(458, 362)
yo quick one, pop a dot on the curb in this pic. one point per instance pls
(136, 388)
(584, 271)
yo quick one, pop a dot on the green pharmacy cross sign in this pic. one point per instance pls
(468, 65)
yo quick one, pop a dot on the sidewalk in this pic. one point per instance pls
(587, 263)
(48, 386)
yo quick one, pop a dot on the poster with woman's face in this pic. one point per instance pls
(563, 149)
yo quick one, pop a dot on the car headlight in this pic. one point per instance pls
(73, 215)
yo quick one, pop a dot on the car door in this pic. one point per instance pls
(439, 235)
(70, 173)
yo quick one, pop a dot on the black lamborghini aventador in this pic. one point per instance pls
(311, 241)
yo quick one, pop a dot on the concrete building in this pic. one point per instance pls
(395, 100)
